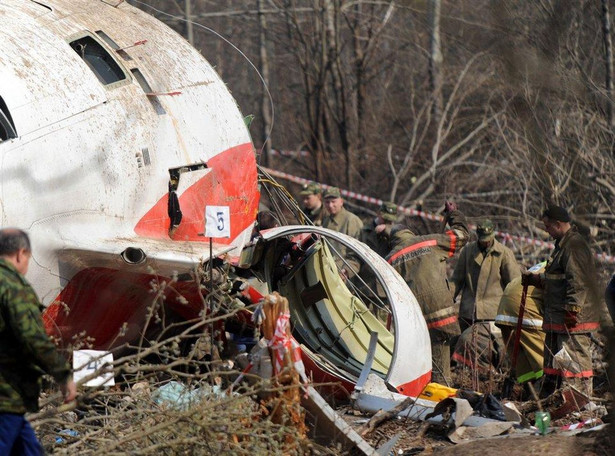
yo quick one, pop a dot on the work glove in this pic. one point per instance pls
(530, 280)
(449, 206)
(571, 319)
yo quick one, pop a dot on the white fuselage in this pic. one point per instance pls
(88, 172)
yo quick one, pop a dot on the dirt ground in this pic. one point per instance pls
(419, 438)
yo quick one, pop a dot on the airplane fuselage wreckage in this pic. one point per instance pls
(117, 137)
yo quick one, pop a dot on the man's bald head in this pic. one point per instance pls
(15, 248)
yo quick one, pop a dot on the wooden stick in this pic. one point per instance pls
(380, 416)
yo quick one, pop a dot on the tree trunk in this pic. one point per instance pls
(266, 112)
(608, 60)
(435, 60)
(188, 14)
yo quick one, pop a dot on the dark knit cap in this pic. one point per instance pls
(558, 213)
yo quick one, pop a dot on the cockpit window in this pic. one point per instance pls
(7, 127)
(98, 60)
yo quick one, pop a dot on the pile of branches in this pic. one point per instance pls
(176, 394)
(165, 409)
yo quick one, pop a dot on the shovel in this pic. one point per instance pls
(511, 379)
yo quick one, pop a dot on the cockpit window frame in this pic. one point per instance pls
(6, 123)
(110, 53)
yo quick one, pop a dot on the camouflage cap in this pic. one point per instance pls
(332, 192)
(311, 188)
(485, 230)
(388, 211)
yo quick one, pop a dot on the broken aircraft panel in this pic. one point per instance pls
(333, 325)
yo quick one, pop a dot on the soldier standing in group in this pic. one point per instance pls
(481, 274)
(343, 221)
(571, 306)
(312, 203)
(376, 235)
(421, 261)
(25, 350)
(376, 232)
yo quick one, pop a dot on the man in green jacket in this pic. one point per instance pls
(312, 203)
(481, 274)
(25, 350)
(376, 235)
(343, 221)
(421, 261)
(571, 305)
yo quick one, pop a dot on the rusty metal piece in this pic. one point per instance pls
(573, 401)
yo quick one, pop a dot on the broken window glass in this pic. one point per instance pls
(7, 127)
(98, 60)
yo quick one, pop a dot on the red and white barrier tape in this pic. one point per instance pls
(281, 343)
(587, 423)
(603, 257)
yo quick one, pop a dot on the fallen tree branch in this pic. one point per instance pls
(382, 416)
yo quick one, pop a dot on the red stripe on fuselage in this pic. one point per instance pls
(415, 387)
(232, 182)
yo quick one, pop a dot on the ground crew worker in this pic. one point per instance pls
(532, 338)
(312, 203)
(571, 305)
(482, 272)
(265, 220)
(343, 221)
(421, 262)
(375, 234)
(25, 350)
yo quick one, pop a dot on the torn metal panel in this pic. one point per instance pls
(466, 433)
(409, 337)
(328, 426)
(376, 396)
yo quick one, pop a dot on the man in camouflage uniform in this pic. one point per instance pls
(312, 203)
(481, 274)
(25, 350)
(421, 261)
(343, 221)
(571, 305)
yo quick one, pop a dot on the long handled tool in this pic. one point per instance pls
(510, 381)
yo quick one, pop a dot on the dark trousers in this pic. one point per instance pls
(17, 437)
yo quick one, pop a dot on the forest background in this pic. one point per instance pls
(503, 106)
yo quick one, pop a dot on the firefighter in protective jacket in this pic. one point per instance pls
(571, 304)
(421, 261)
